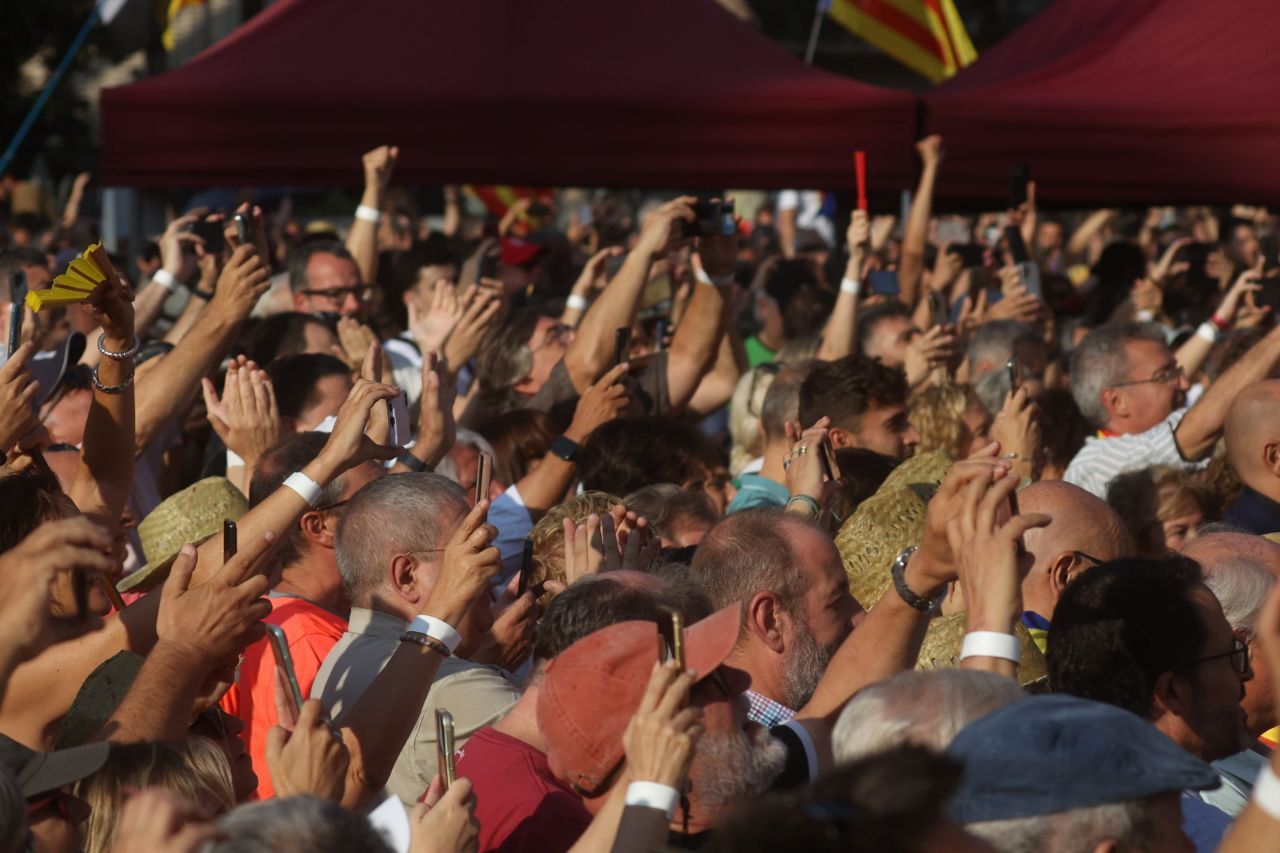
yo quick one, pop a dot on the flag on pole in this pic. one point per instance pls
(927, 36)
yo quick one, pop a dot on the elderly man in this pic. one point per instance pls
(1129, 386)
(1241, 570)
(1058, 773)
(1084, 532)
(390, 544)
(1149, 637)
(1253, 449)
(790, 581)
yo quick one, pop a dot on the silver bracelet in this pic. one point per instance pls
(814, 508)
(111, 389)
(118, 356)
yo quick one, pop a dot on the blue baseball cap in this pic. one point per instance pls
(1057, 753)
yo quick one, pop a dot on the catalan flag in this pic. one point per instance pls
(927, 36)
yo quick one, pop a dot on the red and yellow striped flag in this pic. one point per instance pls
(496, 199)
(927, 36)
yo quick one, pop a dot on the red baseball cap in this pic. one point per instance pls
(592, 690)
(517, 251)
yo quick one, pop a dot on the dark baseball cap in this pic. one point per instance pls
(1057, 753)
(48, 366)
(39, 772)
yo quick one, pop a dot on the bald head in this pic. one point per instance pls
(1217, 549)
(1252, 433)
(1081, 522)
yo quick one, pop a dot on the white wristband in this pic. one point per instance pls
(850, 285)
(306, 487)
(991, 644)
(576, 302)
(165, 279)
(719, 281)
(651, 795)
(1266, 792)
(368, 214)
(1208, 332)
(1146, 315)
(436, 629)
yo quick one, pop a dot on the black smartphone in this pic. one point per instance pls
(484, 472)
(972, 254)
(229, 544)
(17, 309)
(938, 307)
(488, 267)
(1015, 374)
(827, 456)
(445, 748)
(621, 344)
(211, 233)
(671, 637)
(526, 567)
(711, 218)
(1019, 177)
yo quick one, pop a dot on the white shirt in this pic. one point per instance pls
(809, 216)
(1103, 459)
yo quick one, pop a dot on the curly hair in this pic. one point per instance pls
(548, 534)
(846, 388)
(937, 413)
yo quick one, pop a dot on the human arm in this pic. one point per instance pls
(71, 212)
(1017, 428)
(197, 300)
(1082, 239)
(437, 429)
(176, 266)
(362, 240)
(1200, 427)
(911, 265)
(1191, 355)
(591, 279)
(837, 335)
(697, 338)
(452, 211)
(245, 418)
(717, 387)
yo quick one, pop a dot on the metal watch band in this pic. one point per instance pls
(924, 605)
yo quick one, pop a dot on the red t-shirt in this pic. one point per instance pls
(312, 632)
(520, 805)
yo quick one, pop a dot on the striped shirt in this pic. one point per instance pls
(1102, 459)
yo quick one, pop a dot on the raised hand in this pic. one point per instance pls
(938, 563)
(1146, 296)
(803, 465)
(175, 237)
(660, 234)
(158, 820)
(927, 351)
(660, 739)
(1017, 428)
(310, 758)
(718, 253)
(480, 312)
(602, 402)
(930, 151)
(246, 418)
(348, 445)
(1017, 304)
(585, 552)
(445, 822)
(437, 429)
(17, 395)
(356, 338)
(433, 318)
(593, 275)
(244, 278)
(111, 307)
(469, 562)
(1236, 301)
(379, 164)
(511, 635)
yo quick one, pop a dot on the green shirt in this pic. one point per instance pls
(756, 491)
(757, 352)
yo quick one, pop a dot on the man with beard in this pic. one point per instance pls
(1129, 385)
(1150, 637)
(591, 691)
(797, 608)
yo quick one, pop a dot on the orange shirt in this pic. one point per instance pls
(312, 632)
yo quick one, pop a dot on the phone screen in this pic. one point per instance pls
(229, 544)
(17, 298)
(671, 637)
(526, 567)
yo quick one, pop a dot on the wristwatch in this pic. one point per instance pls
(565, 448)
(412, 462)
(924, 605)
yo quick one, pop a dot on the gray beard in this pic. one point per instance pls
(803, 666)
(730, 766)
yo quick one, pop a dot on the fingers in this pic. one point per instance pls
(179, 580)
(472, 522)
(660, 678)
(277, 737)
(676, 694)
(1020, 524)
(239, 568)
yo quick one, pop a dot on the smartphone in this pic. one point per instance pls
(211, 233)
(445, 748)
(526, 567)
(484, 471)
(488, 267)
(1019, 177)
(972, 254)
(1015, 374)
(884, 282)
(229, 545)
(621, 344)
(671, 637)
(938, 306)
(711, 218)
(827, 455)
(284, 663)
(660, 334)
(398, 420)
(17, 309)
(244, 234)
(954, 231)
(1028, 271)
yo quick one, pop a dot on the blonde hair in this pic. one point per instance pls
(937, 413)
(1147, 498)
(548, 533)
(195, 768)
(745, 427)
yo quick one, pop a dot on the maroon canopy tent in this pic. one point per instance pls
(1132, 102)
(664, 93)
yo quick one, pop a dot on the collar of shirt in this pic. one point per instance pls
(375, 623)
(1255, 511)
(765, 711)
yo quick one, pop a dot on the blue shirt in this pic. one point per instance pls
(756, 491)
(1204, 824)
(1254, 512)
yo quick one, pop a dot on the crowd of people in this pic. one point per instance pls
(622, 522)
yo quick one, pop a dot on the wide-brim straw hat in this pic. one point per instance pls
(191, 515)
(887, 523)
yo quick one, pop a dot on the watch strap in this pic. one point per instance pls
(565, 448)
(924, 605)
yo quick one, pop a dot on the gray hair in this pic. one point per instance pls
(996, 341)
(782, 403)
(392, 515)
(296, 825)
(1241, 587)
(1100, 362)
(1132, 825)
(992, 388)
(926, 708)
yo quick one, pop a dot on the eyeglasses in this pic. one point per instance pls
(769, 368)
(338, 295)
(212, 717)
(332, 506)
(1239, 656)
(1163, 377)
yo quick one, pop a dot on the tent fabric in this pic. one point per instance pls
(665, 93)
(1121, 102)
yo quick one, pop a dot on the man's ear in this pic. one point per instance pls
(1116, 404)
(299, 301)
(317, 530)
(1271, 457)
(764, 620)
(841, 437)
(403, 572)
(1173, 694)
(1060, 573)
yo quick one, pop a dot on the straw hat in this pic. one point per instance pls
(882, 527)
(191, 515)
